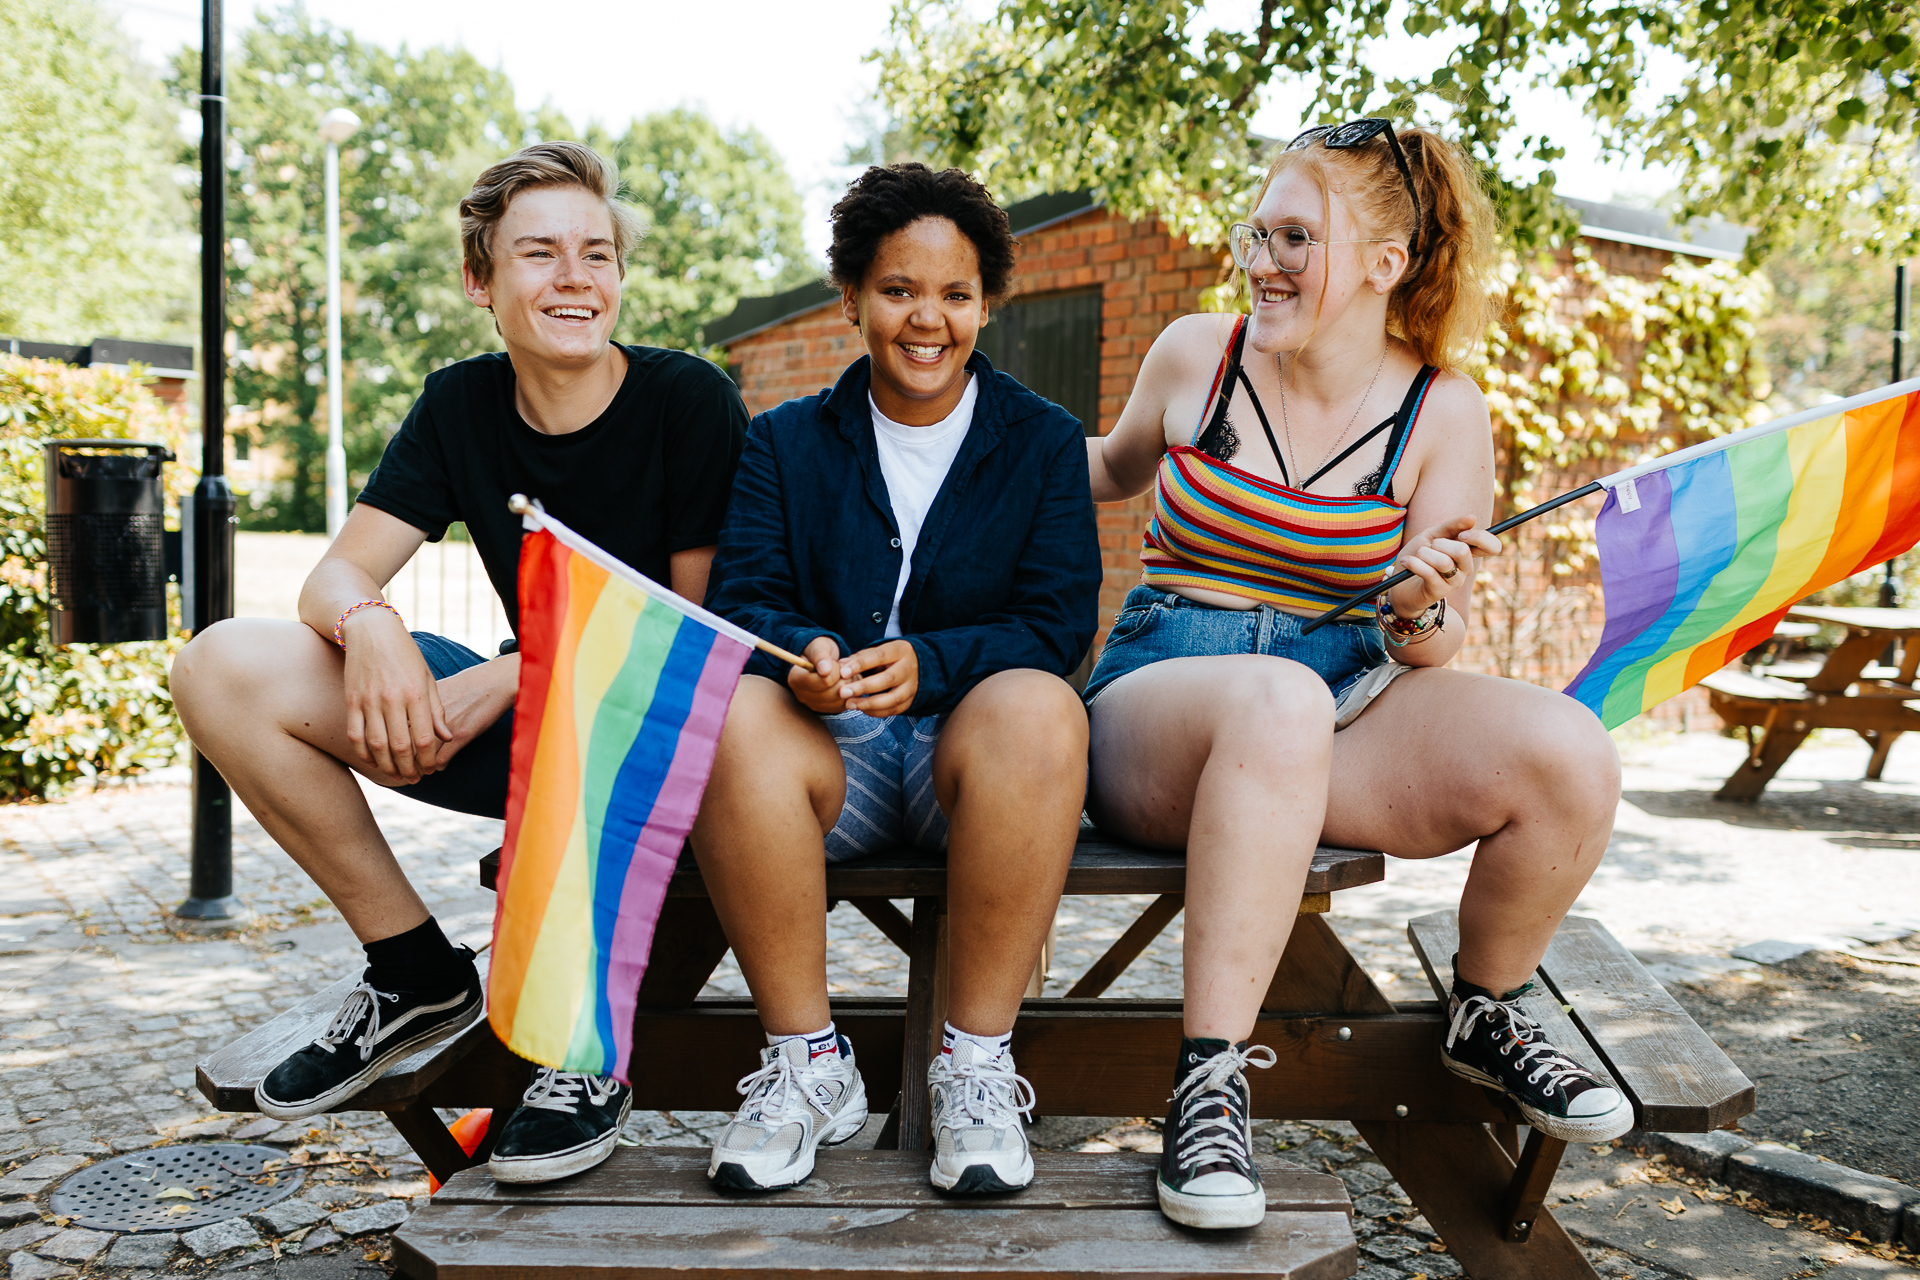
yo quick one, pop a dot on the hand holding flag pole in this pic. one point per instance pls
(521, 505)
(1389, 584)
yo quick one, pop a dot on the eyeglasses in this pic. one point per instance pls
(1289, 247)
(1358, 133)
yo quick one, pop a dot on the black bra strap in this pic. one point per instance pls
(1348, 452)
(1261, 413)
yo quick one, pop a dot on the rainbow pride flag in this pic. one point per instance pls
(623, 689)
(1703, 551)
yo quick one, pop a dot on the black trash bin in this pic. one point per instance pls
(106, 558)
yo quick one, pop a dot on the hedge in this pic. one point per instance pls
(87, 712)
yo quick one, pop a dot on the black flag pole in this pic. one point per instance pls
(1510, 522)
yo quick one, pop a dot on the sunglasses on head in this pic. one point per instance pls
(1358, 133)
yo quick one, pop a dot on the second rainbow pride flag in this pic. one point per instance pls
(623, 689)
(1702, 552)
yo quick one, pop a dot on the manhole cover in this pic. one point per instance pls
(175, 1188)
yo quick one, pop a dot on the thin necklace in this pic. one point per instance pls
(1287, 427)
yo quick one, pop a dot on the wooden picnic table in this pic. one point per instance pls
(1345, 1052)
(1780, 706)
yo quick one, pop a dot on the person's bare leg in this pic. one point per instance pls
(1229, 757)
(1010, 772)
(263, 700)
(776, 790)
(1444, 758)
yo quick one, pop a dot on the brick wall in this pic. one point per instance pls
(1149, 277)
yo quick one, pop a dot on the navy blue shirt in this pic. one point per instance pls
(1006, 573)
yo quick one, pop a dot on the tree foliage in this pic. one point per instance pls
(93, 238)
(1790, 112)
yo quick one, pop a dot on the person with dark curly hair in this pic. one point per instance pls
(923, 533)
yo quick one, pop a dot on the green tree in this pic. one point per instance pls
(430, 120)
(1791, 112)
(94, 238)
(723, 221)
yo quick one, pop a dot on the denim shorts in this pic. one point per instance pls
(476, 781)
(890, 800)
(1155, 625)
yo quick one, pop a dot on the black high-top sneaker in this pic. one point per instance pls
(566, 1123)
(372, 1030)
(1492, 1041)
(1207, 1178)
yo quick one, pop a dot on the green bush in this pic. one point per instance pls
(89, 711)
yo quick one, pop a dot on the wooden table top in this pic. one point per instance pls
(1890, 622)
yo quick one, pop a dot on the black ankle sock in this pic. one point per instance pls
(1196, 1050)
(1464, 990)
(420, 962)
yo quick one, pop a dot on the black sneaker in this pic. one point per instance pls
(566, 1123)
(1491, 1041)
(1207, 1178)
(373, 1030)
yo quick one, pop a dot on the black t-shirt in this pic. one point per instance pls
(650, 476)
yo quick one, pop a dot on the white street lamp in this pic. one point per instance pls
(335, 128)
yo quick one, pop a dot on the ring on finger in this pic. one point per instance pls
(1450, 574)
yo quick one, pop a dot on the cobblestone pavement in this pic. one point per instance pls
(105, 1007)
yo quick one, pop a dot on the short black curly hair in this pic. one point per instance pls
(887, 198)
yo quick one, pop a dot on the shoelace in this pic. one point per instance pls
(779, 1090)
(1553, 1068)
(363, 1001)
(1210, 1138)
(553, 1090)
(992, 1092)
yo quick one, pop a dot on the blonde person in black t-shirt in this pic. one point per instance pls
(633, 446)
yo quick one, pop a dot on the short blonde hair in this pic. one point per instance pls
(544, 164)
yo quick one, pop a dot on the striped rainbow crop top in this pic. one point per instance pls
(1222, 529)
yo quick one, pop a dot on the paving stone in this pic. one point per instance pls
(253, 1259)
(24, 1266)
(134, 1141)
(319, 1240)
(1377, 1272)
(25, 1237)
(287, 1216)
(75, 1244)
(1802, 1182)
(217, 1238)
(256, 1129)
(31, 1177)
(375, 1217)
(1391, 1248)
(147, 1249)
(1359, 1181)
(1437, 1266)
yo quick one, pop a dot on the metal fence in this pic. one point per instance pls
(444, 589)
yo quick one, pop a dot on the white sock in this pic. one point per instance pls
(819, 1043)
(990, 1047)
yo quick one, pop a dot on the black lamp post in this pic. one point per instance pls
(1889, 587)
(210, 890)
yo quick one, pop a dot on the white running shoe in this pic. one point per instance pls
(979, 1145)
(794, 1103)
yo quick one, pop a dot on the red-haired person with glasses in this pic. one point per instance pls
(1296, 455)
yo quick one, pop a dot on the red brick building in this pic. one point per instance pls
(1091, 293)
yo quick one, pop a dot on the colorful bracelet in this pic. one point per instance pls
(364, 604)
(1402, 632)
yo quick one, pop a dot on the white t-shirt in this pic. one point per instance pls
(915, 461)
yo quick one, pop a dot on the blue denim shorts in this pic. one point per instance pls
(476, 781)
(1155, 625)
(890, 798)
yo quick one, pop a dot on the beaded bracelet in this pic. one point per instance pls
(364, 604)
(1401, 632)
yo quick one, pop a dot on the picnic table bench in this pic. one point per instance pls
(1345, 1052)
(1851, 689)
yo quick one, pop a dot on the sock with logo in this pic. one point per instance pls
(419, 962)
(826, 1042)
(987, 1048)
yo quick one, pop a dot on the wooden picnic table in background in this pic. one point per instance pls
(1785, 702)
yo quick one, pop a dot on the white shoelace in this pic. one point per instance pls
(992, 1092)
(1553, 1068)
(363, 1001)
(1210, 1138)
(778, 1092)
(553, 1090)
